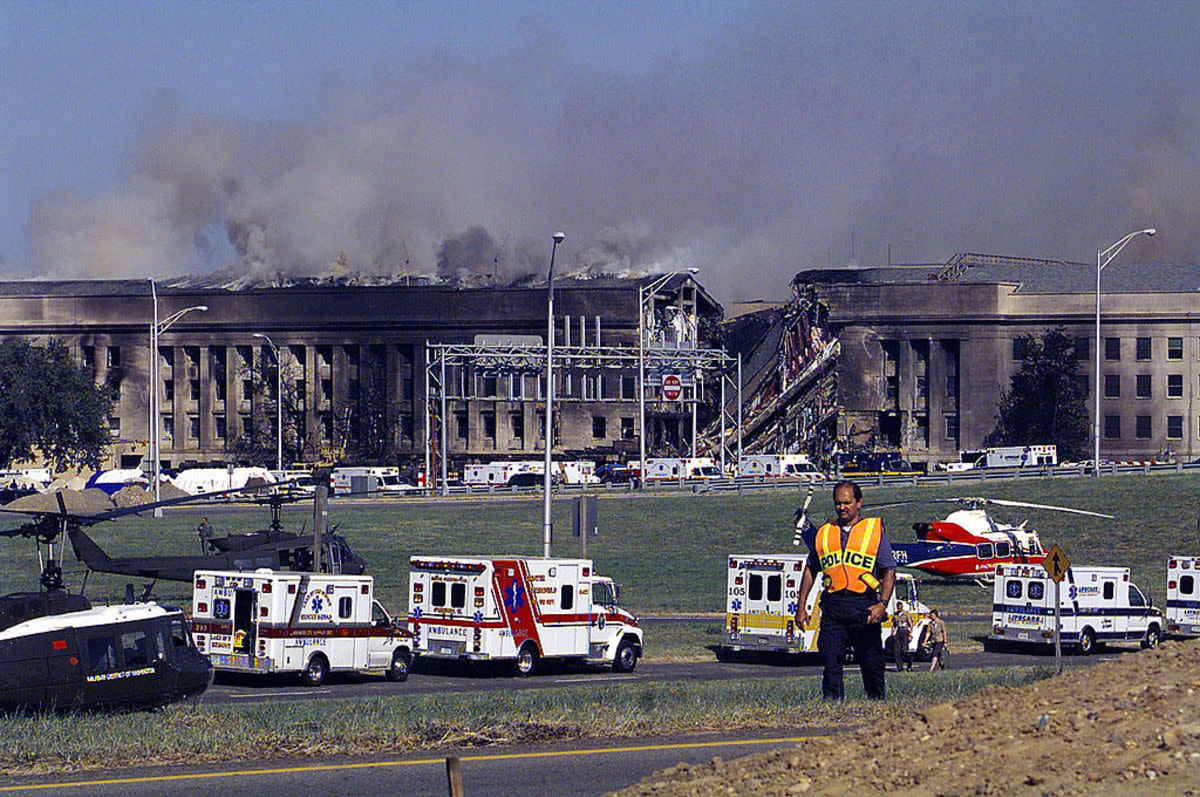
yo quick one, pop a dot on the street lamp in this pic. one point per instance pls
(647, 292)
(1103, 258)
(547, 520)
(278, 401)
(156, 330)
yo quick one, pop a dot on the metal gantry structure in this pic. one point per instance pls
(526, 355)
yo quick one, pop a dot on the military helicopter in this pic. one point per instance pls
(968, 544)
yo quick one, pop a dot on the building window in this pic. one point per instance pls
(951, 427)
(516, 386)
(326, 421)
(489, 424)
(193, 356)
(1142, 386)
(1112, 427)
(1083, 349)
(88, 355)
(1143, 348)
(247, 426)
(627, 428)
(194, 426)
(219, 426)
(628, 387)
(1174, 348)
(114, 427)
(1174, 427)
(169, 389)
(326, 390)
(1112, 348)
(1142, 430)
(489, 386)
(599, 427)
(516, 422)
(1174, 385)
(461, 426)
(247, 388)
(194, 389)
(114, 356)
(168, 427)
(1112, 386)
(219, 389)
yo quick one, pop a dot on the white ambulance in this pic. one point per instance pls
(1097, 605)
(349, 481)
(520, 610)
(760, 608)
(678, 468)
(305, 623)
(1183, 595)
(786, 466)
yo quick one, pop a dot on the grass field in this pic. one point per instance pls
(363, 726)
(668, 550)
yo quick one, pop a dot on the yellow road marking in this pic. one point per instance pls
(403, 763)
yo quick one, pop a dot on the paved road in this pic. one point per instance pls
(557, 770)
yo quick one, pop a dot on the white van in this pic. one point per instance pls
(1097, 605)
(1183, 595)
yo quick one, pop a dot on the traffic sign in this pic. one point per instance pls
(1056, 563)
(672, 387)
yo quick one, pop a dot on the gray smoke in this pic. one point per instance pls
(1042, 130)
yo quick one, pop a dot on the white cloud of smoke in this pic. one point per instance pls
(1042, 130)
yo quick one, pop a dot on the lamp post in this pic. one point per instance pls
(547, 480)
(1103, 258)
(156, 330)
(647, 292)
(278, 400)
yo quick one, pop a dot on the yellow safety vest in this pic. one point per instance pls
(850, 569)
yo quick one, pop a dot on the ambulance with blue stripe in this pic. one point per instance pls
(1097, 605)
(1183, 596)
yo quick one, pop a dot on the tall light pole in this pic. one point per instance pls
(547, 519)
(647, 292)
(278, 401)
(156, 329)
(1103, 258)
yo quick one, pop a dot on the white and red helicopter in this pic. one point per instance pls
(968, 544)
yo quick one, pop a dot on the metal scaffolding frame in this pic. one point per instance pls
(531, 360)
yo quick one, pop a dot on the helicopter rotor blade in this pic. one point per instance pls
(891, 504)
(1004, 502)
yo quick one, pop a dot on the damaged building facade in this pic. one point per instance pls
(354, 360)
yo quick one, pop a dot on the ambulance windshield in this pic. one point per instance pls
(605, 593)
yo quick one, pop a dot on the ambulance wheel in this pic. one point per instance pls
(626, 658)
(1152, 636)
(316, 671)
(401, 661)
(526, 661)
(1087, 642)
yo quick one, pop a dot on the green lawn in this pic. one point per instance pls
(668, 550)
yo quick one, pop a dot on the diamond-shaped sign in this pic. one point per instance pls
(1056, 563)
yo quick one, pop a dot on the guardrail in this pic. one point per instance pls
(756, 483)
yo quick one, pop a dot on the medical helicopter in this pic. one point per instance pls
(969, 543)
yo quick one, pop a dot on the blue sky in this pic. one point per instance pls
(752, 139)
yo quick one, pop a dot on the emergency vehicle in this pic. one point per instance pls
(501, 473)
(787, 466)
(675, 468)
(519, 610)
(1183, 595)
(1097, 605)
(760, 607)
(345, 481)
(311, 624)
(1012, 457)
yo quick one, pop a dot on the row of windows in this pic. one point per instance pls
(516, 422)
(1143, 348)
(1143, 427)
(1143, 386)
(246, 425)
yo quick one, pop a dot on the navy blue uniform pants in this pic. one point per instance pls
(844, 624)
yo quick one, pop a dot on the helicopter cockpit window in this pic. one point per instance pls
(1003, 550)
(102, 655)
(136, 648)
(180, 638)
(1036, 590)
(985, 550)
(1013, 588)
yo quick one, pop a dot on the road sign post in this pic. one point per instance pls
(1056, 565)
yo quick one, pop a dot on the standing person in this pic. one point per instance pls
(902, 623)
(855, 561)
(937, 636)
(204, 530)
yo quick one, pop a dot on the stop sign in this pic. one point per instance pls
(672, 388)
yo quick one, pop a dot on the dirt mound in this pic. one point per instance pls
(1130, 726)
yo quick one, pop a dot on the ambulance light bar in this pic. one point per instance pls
(461, 567)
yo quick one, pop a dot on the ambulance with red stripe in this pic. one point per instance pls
(310, 624)
(518, 610)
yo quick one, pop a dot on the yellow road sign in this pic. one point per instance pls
(1056, 563)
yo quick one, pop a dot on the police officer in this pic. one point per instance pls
(854, 559)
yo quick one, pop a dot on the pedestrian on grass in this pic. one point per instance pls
(937, 636)
(204, 530)
(902, 638)
(854, 559)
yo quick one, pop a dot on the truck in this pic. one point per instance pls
(1039, 456)
(1096, 604)
(519, 610)
(1183, 596)
(354, 481)
(678, 468)
(760, 608)
(787, 466)
(308, 624)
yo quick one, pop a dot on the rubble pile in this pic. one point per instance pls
(1129, 726)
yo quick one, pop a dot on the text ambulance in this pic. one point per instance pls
(519, 610)
(1183, 595)
(760, 607)
(1097, 604)
(306, 623)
